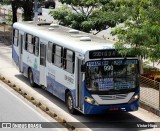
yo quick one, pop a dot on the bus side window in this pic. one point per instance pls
(68, 61)
(36, 46)
(53, 52)
(33, 43)
(49, 52)
(29, 43)
(64, 59)
(57, 55)
(26, 43)
(15, 38)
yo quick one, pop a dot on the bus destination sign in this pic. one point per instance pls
(103, 54)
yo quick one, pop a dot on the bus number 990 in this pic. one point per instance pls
(108, 68)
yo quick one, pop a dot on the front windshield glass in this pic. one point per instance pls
(111, 74)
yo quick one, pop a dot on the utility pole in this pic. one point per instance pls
(35, 10)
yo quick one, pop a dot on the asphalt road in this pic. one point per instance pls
(14, 108)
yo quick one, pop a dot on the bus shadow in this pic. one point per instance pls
(115, 121)
(109, 121)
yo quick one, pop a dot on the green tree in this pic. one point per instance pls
(141, 31)
(87, 15)
(28, 12)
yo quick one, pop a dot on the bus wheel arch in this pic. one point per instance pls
(30, 77)
(69, 101)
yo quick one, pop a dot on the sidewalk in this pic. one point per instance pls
(150, 96)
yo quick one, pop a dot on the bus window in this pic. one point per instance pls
(15, 33)
(49, 52)
(57, 55)
(25, 45)
(36, 46)
(29, 45)
(69, 58)
(42, 54)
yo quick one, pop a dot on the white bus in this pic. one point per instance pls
(83, 70)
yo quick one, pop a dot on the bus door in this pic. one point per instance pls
(43, 64)
(79, 85)
(21, 52)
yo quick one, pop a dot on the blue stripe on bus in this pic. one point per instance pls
(36, 73)
(15, 56)
(25, 69)
(58, 89)
(36, 76)
(53, 86)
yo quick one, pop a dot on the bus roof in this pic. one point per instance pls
(61, 36)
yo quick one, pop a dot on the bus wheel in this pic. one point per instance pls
(69, 102)
(30, 76)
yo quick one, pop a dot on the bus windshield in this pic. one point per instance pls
(111, 74)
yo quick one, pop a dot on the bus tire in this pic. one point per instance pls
(69, 103)
(30, 76)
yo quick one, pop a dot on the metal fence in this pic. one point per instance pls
(150, 92)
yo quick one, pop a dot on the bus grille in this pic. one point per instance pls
(113, 97)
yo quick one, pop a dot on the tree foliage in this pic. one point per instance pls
(87, 15)
(141, 31)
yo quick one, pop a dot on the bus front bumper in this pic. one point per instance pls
(102, 109)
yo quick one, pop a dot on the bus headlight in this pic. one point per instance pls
(90, 100)
(134, 98)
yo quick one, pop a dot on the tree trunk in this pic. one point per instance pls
(14, 11)
(28, 10)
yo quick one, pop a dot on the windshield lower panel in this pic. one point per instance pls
(113, 75)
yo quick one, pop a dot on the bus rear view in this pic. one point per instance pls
(111, 82)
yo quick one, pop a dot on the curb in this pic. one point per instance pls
(42, 106)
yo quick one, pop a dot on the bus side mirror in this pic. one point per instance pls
(83, 68)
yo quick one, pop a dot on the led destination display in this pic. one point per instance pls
(111, 53)
(103, 54)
